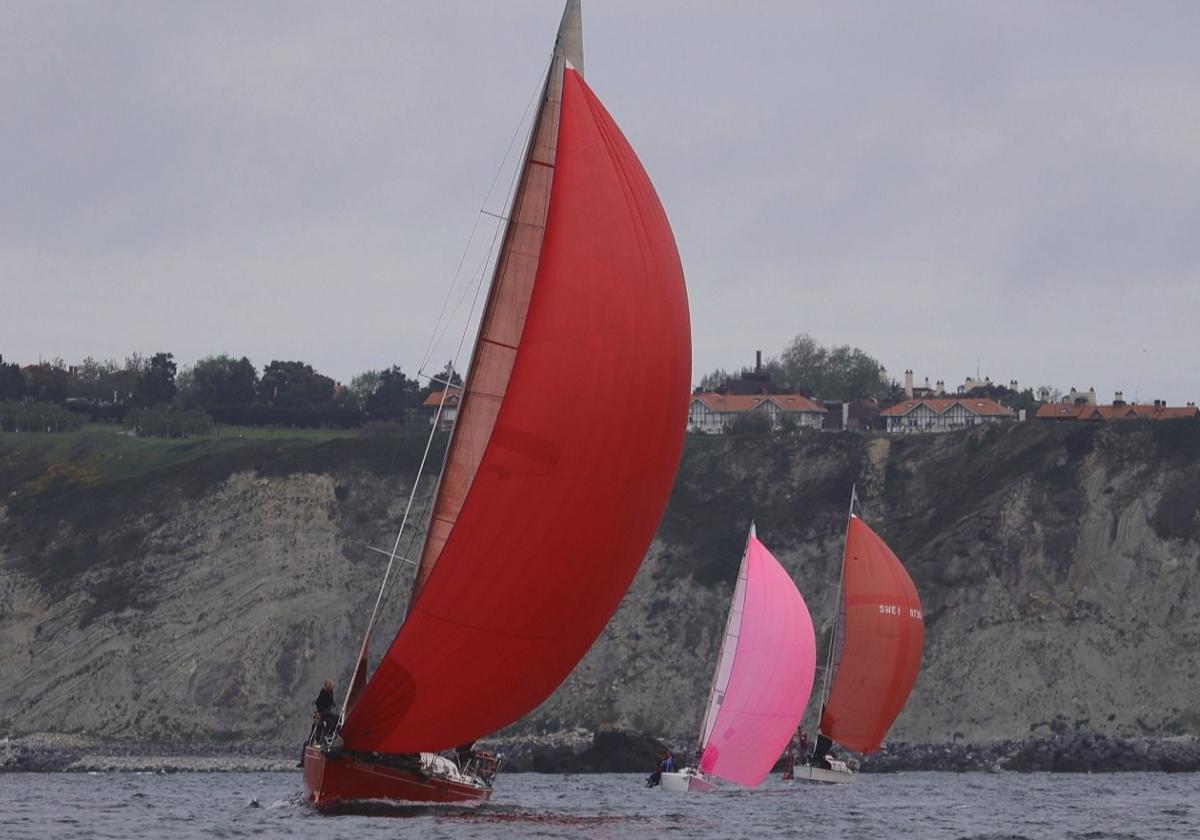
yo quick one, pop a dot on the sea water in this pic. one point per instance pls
(918, 805)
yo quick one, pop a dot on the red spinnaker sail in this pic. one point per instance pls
(882, 639)
(576, 472)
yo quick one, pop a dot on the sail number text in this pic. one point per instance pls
(893, 609)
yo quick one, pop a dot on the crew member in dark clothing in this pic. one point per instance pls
(666, 764)
(657, 777)
(325, 713)
(325, 719)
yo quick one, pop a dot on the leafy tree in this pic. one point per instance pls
(294, 385)
(364, 385)
(12, 383)
(394, 394)
(157, 384)
(136, 363)
(222, 380)
(713, 381)
(91, 380)
(837, 373)
(46, 381)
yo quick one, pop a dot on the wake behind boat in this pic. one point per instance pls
(762, 681)
(545, 506)
(875, 651)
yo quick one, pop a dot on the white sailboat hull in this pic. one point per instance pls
(838, 774)
(688, 780)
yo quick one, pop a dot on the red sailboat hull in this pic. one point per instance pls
(335, 781)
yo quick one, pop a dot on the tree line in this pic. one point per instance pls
(844, 373)
(807, 367)
(154, 395)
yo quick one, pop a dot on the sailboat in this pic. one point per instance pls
(762, 681)
(564, 450)
(877, 638)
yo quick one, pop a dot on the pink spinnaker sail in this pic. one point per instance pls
(757, 702)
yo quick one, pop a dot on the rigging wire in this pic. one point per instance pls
(434, 337)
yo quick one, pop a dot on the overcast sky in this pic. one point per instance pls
(942, 184)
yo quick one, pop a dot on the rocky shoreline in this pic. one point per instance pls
(615, 751)
(1065, 753)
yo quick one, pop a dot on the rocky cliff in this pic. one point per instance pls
(202, 594)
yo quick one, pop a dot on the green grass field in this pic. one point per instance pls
(100, 453)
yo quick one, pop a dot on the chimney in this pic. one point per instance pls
(758, 361)
(1012, 385)
(1091, 396)
(941, 387)
(1119, 398)
(908, 384)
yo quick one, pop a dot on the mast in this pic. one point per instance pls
(511, 288)
(825, 676)
(728, 646)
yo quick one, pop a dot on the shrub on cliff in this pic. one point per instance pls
(169, 422)
(37, 417)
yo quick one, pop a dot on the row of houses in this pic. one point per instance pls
(714, 413)
(1088, 410)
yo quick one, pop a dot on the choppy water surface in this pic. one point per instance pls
(921, 805)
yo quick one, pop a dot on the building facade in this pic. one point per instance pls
(452, 397)
(711, 413)
(944, 415)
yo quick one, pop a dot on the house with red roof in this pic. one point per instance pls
(712, 413)
(451, 396)
(944, 415)
(1119, 410)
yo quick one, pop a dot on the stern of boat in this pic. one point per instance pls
(685, 781)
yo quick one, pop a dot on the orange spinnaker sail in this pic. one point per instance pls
(575, 474)
(882, 639)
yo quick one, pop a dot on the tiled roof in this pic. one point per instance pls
(749, 402)
(1086, 411)
(435, 397)
(980, 406)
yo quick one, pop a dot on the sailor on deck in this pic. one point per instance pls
(325, 714)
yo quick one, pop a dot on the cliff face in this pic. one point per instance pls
(1058, 568)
